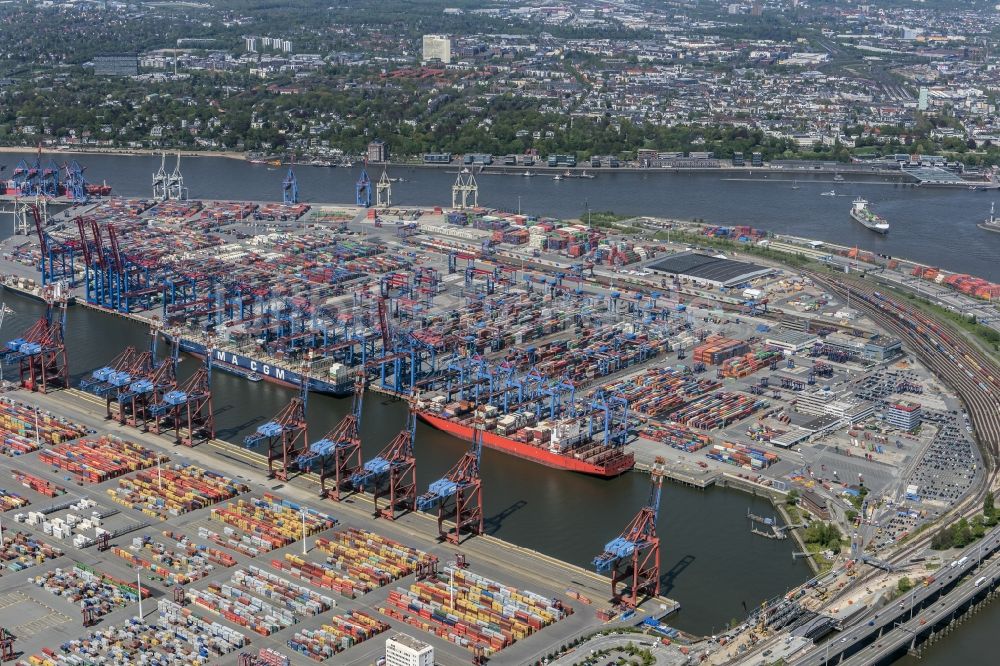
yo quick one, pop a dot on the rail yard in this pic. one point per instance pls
(578, 348)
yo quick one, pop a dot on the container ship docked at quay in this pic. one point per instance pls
(566, 444)
(337, 381)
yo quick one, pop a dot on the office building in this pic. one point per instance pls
(111, 64)
(437, 47)
(378, 151)
(405, 650)
(904, 415)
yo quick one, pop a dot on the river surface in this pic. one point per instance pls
(932, 225)
(710, 561)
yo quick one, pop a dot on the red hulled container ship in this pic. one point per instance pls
(577, 453)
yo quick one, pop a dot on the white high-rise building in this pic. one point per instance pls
(922, 100)
(251, 44)
(405, 650)
(437, 47)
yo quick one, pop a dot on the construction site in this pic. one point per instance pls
(574, 347)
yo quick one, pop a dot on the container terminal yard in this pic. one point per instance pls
(574, 347)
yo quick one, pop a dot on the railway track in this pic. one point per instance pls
(959, 364)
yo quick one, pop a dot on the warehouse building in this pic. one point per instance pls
(126, 64)
(715, 271)
(877, 348)
(792, 341)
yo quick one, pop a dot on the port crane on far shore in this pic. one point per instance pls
(393, 472)
(634, 557)
(458, 495)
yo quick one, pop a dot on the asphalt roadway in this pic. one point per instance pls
(910, 605)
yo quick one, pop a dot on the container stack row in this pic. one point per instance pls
(22, 551)
(39, 485)
(87, 588)
(171, 491)
(177, 566)
(179, 638)
(320, 574)
(97, 460)
(473, 611)
(11, 500)
(272, 521)
(717, 349)
(370, 557)
(261, 601)
(658, 391)
(742, 455)
(19, 419)
(718, 410)
(746, 365)
(676, 436)
(340, 633)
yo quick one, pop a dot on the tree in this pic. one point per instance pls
(792, 498)
(904, 585)
(988, 506)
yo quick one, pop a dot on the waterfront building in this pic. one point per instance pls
(378, 151)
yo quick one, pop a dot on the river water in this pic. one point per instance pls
(932, 225)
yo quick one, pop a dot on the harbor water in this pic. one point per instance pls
(932, 225)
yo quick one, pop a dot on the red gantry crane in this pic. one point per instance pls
(41, 351)
(634, 557)
(285, 434)
(337, 455)
(393, 472)
(458, 495)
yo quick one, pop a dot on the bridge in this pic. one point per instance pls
(879, 637)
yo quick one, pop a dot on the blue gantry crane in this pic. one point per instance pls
(74, 183)
(363, 189)
(285, 435)
(57, 256)
(290, 188)
(393, 472)
(612, 410)
(634, 557)
(458, 495)
(337, 455)
(134, 404)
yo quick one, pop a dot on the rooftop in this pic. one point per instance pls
(726, 272)
(409, 641)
